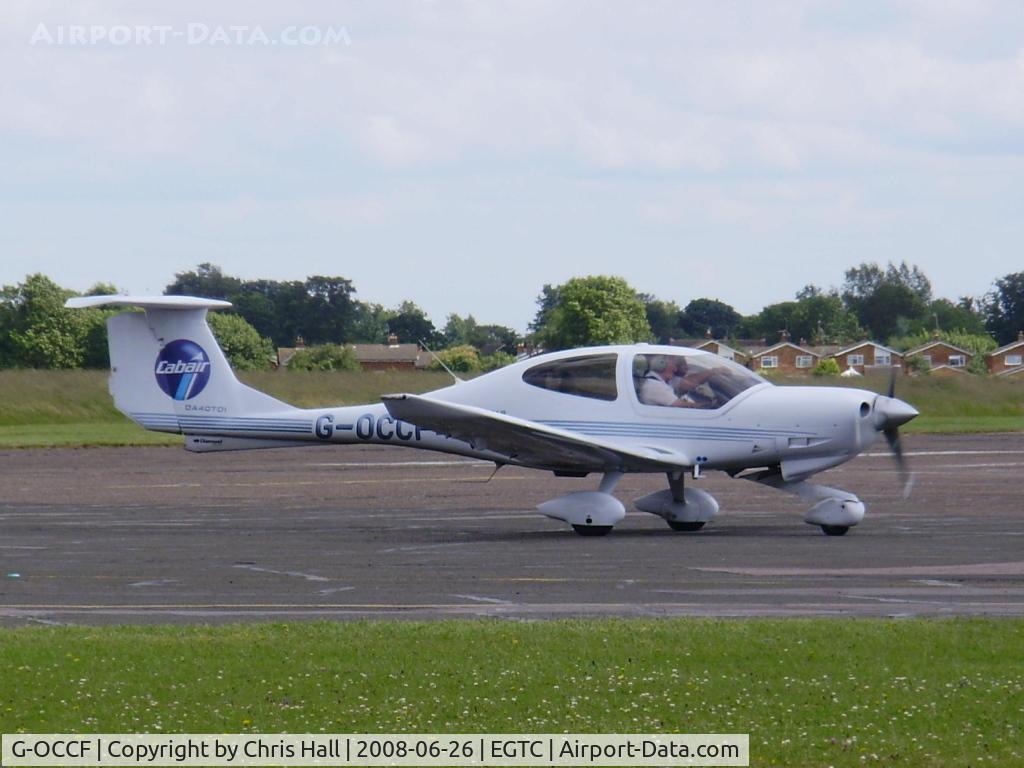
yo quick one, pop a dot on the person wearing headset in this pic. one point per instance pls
(667, 376)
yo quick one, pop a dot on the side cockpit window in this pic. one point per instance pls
(592, 376)
(690, 381)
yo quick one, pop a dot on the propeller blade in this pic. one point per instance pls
(892, 436)
(892, 381)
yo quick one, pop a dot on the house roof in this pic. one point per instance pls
(824, 350)
(386, 353)
(721, 345)
(786, 344)
(1006, 348)
(860, 344)
(743, 346)
(936, 343)
(957, 368)
(1012, 371)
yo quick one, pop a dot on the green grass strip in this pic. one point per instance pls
(73, 408)
(809, 692)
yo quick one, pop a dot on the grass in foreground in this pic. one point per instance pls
(809, 692)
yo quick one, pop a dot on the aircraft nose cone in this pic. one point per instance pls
(891, 413)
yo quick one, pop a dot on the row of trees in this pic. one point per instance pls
(887, 304)
(36, 331)
(891, 304)
(324, 310)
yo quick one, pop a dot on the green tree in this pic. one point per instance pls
(496, 360)
(325, 357)
(411, 324)
(369, 323)
(701, 315)
(546, 303)
(817, 317)
(1004, 308)
(242, 345)
(102, 289)
(487, 339)
(976, 344)
(663, 317)
(963, 316)
(826, 367)
(95, 350)
(771, 321)
(889, 302)
(207, 280)
(593, 310)
(36, 331)
(821, 318)
(461, 359)
(320, 309)
(329, 312)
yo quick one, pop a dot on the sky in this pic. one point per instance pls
(463, 154)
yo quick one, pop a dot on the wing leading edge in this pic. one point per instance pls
(528, 443)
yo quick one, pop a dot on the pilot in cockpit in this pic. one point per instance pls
(667, 382)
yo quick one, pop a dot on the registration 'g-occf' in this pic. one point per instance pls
(602, 410)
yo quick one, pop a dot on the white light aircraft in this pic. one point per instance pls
(604, 410)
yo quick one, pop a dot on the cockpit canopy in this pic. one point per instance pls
(588, 376)
(690, 381)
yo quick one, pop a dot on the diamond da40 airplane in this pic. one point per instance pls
(604, 410)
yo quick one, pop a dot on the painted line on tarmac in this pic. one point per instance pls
(330, 481)
(378, 464)
(994, 452)
(1012, 568)
(293, 574)
(482, 599)
(230, 606)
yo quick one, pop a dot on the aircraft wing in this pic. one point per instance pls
(529, 443)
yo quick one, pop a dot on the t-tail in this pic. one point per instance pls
(169, 374)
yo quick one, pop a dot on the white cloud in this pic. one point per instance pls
(574, 129)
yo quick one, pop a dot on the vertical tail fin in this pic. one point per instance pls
(167, 371)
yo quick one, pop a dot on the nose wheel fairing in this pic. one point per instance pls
(835, 510)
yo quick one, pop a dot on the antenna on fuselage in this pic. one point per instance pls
(441, 363)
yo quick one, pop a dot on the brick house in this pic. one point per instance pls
(940, 356)
(1007, 359)
(868, 357)
(724, 350)
(385, 357)
(785, 357)
(737, 350)
(372, 357)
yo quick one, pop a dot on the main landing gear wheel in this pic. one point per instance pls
(593, 530)
(677, 525)
(835, 530)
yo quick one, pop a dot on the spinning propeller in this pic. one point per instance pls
(890, 413)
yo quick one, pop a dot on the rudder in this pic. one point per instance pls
(168, 373)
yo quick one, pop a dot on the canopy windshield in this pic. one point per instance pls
(690, 381)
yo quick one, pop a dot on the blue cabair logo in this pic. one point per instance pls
(182, 369)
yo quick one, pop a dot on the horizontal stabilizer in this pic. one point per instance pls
(146, 302)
